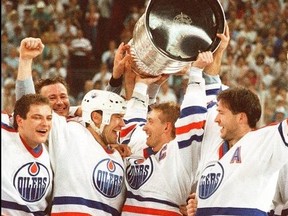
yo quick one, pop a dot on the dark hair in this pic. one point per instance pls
(50, 81)
(170, 113)
(240, 99)
(22, 106)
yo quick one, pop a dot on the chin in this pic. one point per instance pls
(148, 144)
(41, 141)
(113, 140)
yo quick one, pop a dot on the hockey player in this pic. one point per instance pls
(239, 165)
(26, 171)
(89, 176)
(230, 147)
(159, 173)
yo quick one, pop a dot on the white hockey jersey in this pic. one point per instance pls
(26, 180)
(159, 182)
(88, 180)
(242, 180)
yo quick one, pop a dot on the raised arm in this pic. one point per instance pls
(193, 107)
(211, 72)
(29, 49)
(214, 68)
(120, 63)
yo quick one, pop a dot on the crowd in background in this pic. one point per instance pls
(81, 36)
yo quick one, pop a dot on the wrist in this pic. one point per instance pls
(211, 79)
(115, 82)
(25, 59)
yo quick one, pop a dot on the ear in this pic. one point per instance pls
(168, 127)
(243, 118)
(19, 120)
(96, 118)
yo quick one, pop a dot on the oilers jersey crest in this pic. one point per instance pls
(32, 181)
(108, 178)
(210, 179)
(138, 171)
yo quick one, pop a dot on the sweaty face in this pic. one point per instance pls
(110, 132)
(227, 121)
(154, 129)
(35, 128)
(58, 97)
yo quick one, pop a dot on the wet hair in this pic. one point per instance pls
(22, 106)
(170, 113)
(50, 81)
(240, 99)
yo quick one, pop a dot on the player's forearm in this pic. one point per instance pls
(24, 82)
(24, 69)
(214, 68)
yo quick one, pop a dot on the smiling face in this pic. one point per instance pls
(111, 131)
(37, 125)
(58, 98)
(154, 129)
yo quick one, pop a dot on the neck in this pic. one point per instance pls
(241, 132)
(160, 145)
(29, 144)
(97, 137)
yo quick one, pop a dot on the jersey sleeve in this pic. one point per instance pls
(213, 86)
(190, 124)
(135, 118)
(24, 87)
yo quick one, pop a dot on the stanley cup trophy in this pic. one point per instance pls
(171, 33)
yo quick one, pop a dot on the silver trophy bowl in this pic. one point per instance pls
(171, 33)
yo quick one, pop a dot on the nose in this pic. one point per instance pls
(144, 127)
(59, 101)
(217, 119)
(45, 122)
(122, 123)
